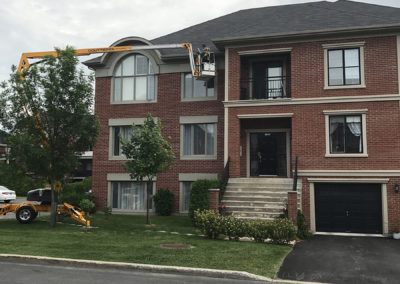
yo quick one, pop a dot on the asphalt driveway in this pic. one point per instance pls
(333, 259)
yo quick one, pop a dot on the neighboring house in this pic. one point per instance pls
(84, 170)
(318, 81)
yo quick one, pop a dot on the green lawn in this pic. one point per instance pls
(126, 238)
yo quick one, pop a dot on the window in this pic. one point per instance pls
(199, 139)
(125, 132)
(134, 80)
(196, 89)
(185, 195)
(344, 67)
(345, 134)
(126, 195)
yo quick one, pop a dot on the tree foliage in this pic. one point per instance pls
(57, 124)
(148, 152)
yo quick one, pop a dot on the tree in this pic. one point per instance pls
(149, 154)
(47, 111)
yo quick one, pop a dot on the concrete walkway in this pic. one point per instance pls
(342, 260)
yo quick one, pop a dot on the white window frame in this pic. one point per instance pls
(363, 113)
(112, 123)
(347, 45)
(122, 177)
(183, 120)
(195, 99)
(190, 177)
(113, 101)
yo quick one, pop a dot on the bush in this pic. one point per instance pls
(86, 205)
(199, 195)
(164, 202)
(74, 193)
(259, 230)
(14, 179)
(282, 231)
(209, 222)
(302, 227)
(234, 228)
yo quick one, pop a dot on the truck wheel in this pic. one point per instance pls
(25, 214)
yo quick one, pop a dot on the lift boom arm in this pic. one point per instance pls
(24, 61)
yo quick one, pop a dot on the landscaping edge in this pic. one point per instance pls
(214, 273)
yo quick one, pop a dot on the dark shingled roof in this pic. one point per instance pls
(297, 18)
(286, 19)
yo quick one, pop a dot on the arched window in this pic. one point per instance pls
(134, 80)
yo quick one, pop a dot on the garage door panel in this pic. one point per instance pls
(353, 208)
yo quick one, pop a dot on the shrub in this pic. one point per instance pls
(234, 228)
(199, 195)
(302, 227)
(74, 193)
(209, 222)
(86, 205)
(164, 202)
(282, 231)
(107, 210)
(259, 230)
(14, 179)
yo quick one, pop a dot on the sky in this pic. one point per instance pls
(41, 25)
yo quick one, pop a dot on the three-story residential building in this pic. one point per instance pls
(316, 81)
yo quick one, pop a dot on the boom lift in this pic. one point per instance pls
(39, 200)
(200, 70)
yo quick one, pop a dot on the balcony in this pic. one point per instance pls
(276, 87)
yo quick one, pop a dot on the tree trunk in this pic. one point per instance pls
(148, 203)
(53, 206)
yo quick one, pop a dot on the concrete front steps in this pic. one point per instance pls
(258, 198)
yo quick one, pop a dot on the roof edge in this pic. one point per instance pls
(220, 43)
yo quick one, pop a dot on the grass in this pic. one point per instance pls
(126, 238)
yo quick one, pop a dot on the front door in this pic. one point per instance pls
(268, 154)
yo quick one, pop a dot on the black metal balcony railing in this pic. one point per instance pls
(266, 88)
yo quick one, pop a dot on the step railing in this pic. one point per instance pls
(295, 176)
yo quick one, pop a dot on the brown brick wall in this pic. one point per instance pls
(308, 136)
(168, 108)
(307, 68)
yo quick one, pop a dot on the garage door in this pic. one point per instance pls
(349, 208)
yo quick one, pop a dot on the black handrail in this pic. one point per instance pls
(224, 180)
(265, 88)
(295, 176)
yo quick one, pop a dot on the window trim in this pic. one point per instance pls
(191, 177)
(114, 122)
(342, 46)
(363, 113)
(212, 119)
(112, 101)
(197, 99)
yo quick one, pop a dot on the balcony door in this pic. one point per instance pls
(268, 80)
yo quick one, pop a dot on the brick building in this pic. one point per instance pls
(317, 81)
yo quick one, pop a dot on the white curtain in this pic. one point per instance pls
(354, 124)
(132, 195)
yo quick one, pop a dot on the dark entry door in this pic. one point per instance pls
(268, 154)
(349, 208)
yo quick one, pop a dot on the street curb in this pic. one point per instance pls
(205, 272)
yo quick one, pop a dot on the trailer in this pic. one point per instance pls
(39, 200)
